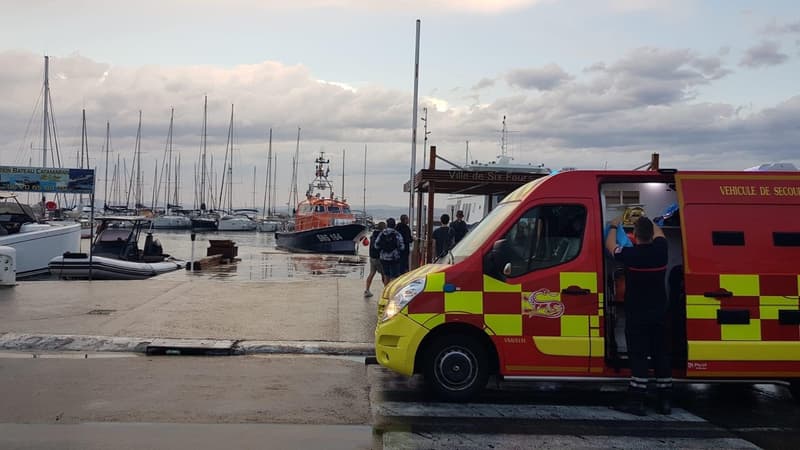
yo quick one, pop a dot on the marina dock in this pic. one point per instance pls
(305, 316)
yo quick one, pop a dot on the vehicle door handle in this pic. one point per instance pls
(575, 290)
(722, 293)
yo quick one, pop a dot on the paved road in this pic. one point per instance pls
(134, 401)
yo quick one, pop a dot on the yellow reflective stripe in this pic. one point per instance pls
(594, 321)
(464, 302)
(774, 300)
(560, 346)
(740, 285)
(434, 282)
(586, 280)
(598, 345)
(504, 324)
(769, 306)
(744, 351)
(701, 311)
(492, 285)
(748, 332)
(594, 332)
(574, 325)
(701, 300)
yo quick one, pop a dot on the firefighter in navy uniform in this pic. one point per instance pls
(646, 313)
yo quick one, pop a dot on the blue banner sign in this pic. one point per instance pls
(46, 179)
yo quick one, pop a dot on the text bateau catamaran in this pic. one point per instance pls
(116, 254)
(322, 224)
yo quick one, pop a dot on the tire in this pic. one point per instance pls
(794, 388)
(456, 367)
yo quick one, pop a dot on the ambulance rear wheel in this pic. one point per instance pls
(456, 367)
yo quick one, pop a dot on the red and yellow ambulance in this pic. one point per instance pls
(531, 294)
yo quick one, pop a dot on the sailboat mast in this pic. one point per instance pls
(254, 187)
(274, 182)
(138, 196)
(105, 181)
(176, 200)
(45, 118)
(84, 145)
(267, 179)
(169, 160)
(203, 157)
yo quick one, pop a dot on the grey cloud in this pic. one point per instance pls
(765, 54)
(542, 78)
(775, 28)
(483, 84)
(619, 112)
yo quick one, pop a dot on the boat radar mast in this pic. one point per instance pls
(321, 181)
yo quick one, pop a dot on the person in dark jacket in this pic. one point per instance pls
(459, 227)
(374, 259)
(390, 243)
(443, 236)
(645, 312)
(404, 231)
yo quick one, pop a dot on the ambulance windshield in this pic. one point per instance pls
(478, 235)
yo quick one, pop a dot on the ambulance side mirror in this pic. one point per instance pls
(496, 262)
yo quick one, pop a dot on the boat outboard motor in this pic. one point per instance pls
(151, 246)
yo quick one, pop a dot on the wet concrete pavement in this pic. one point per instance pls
(65, 400)
(333, 309)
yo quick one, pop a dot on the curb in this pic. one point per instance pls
(81, 343)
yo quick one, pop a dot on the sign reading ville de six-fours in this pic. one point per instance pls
(46, 179)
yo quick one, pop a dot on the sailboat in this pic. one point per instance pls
(323, 223)
(34, 239)
(170, 219)
(232, 221)
(204, 219)
(268, 223)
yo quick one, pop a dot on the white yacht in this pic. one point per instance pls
(172, 221)
(36, 242)
(236, 222)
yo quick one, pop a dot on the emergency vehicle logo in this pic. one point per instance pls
(544, 303)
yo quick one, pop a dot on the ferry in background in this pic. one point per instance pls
(476, 207)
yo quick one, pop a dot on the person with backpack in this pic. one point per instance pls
(390, 243)
(443, 236)
(374, 259)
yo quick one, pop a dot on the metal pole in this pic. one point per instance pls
(414, 127)
(91, 232)
(191, 259)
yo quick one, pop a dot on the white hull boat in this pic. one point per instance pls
(35, 243)
(236, 223)
(174, 222)
(77, 265)
(268, 226)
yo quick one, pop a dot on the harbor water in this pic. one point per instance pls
(257, 260)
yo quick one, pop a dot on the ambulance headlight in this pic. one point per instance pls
(404, 295)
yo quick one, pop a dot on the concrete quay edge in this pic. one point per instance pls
(27, 342)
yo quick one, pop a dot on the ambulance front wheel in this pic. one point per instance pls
(794, 388)
(456, 367)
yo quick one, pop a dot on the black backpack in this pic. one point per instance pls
(388, 242)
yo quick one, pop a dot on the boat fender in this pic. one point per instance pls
(365, 241)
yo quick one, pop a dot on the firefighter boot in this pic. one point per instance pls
(664, 405)
(634, 404)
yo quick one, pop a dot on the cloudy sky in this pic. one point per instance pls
(583, 83)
